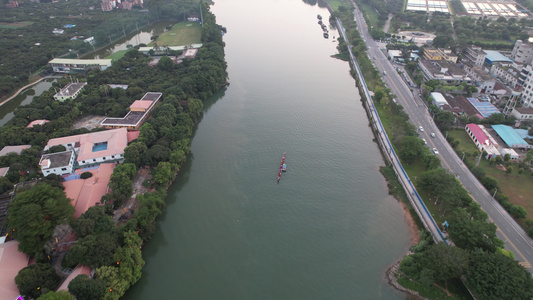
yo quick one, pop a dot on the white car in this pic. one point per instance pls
(435, 151)
(421, 128)
(432, 134)
(425, 142)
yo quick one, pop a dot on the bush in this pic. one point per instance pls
(518, 211)
(86, 175)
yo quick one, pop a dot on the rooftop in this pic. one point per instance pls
(37, 122)
(71, 89)
(437, 66)
(479, 134)
(67, 61)
(151, 96)
(132, 118)
(485, 108)
(495, 56)
(56, 160)
(122, 86)
(11, 262)
(524, 110)
(510, 137)
(13, 149)
(88, 192)
(115, 139)
(141, 104)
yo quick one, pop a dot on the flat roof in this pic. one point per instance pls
(131, 119)
(58, 159)
(68, 61)
(439, 98)
(15, 149)
(524, 110)
(510, 136)
(71, 89)
(141, 104)
(151, 96)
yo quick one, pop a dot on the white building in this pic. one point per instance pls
(65, 65)
(482, 79)
(507, 74)
(92, 148)
(71, 91)
(523, 113)
(59, 163)
(438, 100)
(522, 52)
(526, 80)
(512, 153)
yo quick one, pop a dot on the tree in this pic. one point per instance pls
(411, 148)
(36, 279)
(165, 63)
(496, 276)
(93, 221)
(490, 182)
(59, 295)
(445, 261)
(34, 214)
(134, 152)
(518, 212)
(93, 250)
(5, 185)
(471, 233)
(84, 288)
(163, 173)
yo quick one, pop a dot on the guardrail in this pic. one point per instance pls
(404, 178)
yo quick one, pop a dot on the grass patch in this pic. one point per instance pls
(4, 25)
(335, 4)
(184, 33)
(371, 15)
(117, 55)
(516, 186)
(428, 292)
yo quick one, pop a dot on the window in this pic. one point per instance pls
(103, 158)
(82, 161)
(112, 156)
(94, 159)
(63, 169)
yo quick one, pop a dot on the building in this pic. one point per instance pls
(107, 5)
(483, 107)
(140, 110)
(482, 139)
(475, 54)
(507, 74)
(164, 50)
(193, 18)
(511, 137)
(59, 163)
(495, 56)
(522, 52)
(71, 91)
(64, 65)
(432, 54)
(525, 80)
(89, 40)
(512, 153)
(85, 193)
(11, 262)
(522, 113)
(482, 79)
(443, 71)
(58, 31)
(89, 150)
(13, 149)
(438, 100)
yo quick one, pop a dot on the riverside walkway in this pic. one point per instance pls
(383, 139)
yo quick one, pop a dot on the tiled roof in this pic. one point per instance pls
(11, 262)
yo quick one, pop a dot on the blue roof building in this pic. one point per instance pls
(511, 137)
(484, 108)
(495, 56)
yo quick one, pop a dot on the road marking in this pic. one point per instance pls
(511, 243)
(525, 265)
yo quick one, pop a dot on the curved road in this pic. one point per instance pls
(515, 238)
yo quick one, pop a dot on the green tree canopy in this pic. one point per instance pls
(446, 262)
(34, 214)
(59, 295)
(496, 276)
(84, 288)
(36, 279)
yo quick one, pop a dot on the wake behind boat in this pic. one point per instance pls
(282, 166)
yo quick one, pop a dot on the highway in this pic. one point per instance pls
(515, 238)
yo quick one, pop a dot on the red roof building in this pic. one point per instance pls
(11, 262)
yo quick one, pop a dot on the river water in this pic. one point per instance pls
(329, 229)
(24, 98)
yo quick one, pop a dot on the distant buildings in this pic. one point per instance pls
(140, 110)
(64, 65)
(443, 70)
(523, 113)
(483, 80)
(475, 54)
(71, 91)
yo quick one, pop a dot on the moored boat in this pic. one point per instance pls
(319, 17)
(326, 35)
(284, 168)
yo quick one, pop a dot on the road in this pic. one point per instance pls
(515, 238)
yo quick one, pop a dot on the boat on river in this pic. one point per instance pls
(319, 17)
(284, 168)
(326, 35)
(281, 166)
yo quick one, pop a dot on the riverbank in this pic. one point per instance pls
(39, 79)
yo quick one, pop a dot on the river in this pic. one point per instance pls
(24, 98)
(329, 229)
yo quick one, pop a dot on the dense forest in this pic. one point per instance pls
(28, 44)
(163, 145)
